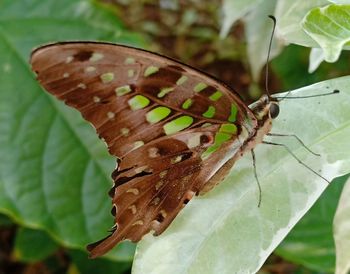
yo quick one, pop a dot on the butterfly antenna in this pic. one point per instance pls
(268, 57)
(281, 98)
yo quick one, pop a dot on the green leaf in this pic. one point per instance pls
(342, 231)
(315, 59)
(33, 245)
(54, 172)
(310, 243)
(5, 221)
(232, 10)
(330, 27)
(225, 231)
(87, 266)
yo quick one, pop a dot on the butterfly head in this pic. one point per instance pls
(265, 108)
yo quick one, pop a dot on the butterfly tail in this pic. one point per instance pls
(102, 246)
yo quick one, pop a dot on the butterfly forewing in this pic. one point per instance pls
(172, 127)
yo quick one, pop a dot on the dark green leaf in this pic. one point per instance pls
(33, 245)
(5, 221)
(105, 266)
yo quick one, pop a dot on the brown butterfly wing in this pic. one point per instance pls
(90, 76)
(153, 113)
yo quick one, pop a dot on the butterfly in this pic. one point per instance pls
(175, 131)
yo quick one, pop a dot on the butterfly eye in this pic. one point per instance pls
(274, 110)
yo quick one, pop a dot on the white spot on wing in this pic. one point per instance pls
(153, 152)
(194, 141)
(159, 184)
(110, 115)
(156, 201)
(163, 173)
(134, 191)
(69, 59)
(124, 131)
(133, 209)
(96, 57)
(138, 144)
(139, 222)
(81, 85)
(90, 69)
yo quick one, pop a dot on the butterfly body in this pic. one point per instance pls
(176, 132)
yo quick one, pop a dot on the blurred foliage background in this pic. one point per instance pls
(188, 30)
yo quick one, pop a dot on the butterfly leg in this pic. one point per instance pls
(256, 176)
(296, 158)
(297, 138)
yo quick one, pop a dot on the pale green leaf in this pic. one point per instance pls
(33, 245)
(232, 10)
(225, 231)
(330, 27)
(315, 59)
(342, 232)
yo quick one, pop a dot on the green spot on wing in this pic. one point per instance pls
(228, 128)
(157, 114)
(181, 80)
(233, 115)
(107, 77)
(206, 125)
(150, 70)
(199, 87)
(138, 144)
(129, 61)
(177, 124)
(164, 91)
(210, 112)
(131, 73)
(96, 57)
(220, 138)
(187, 103)
(215, 96)
(90, 69)
(138, 102)
(123, 90)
